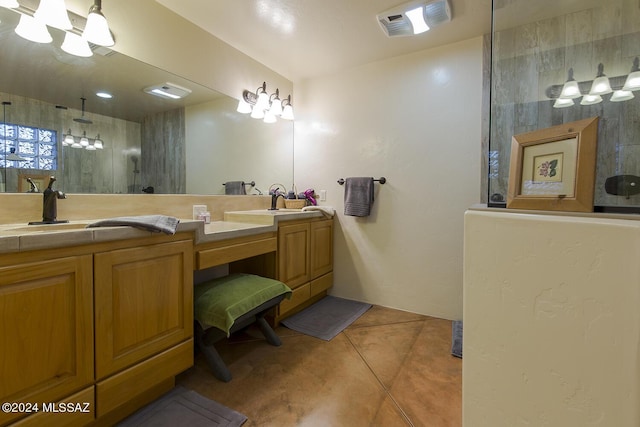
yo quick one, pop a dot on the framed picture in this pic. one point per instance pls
(554, 168)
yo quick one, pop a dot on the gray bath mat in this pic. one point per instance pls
(326, 318)
(182, 407)
(456, 338)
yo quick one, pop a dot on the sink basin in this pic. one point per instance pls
(50, 227)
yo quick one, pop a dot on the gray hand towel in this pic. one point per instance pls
(358, 196)
(157, 223)
(234, 188)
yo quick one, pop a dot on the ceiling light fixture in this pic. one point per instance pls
(414, 17)
(97, 29)
(264, 106)
(168, 90)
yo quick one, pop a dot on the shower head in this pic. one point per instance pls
(82, 119)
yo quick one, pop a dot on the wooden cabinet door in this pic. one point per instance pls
(321, 248)
(46, 330)
(294, 254)
(143, 303)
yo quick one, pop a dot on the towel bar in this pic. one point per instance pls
(382, 180)
(252, 183)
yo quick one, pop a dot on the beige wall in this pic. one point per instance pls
(223, 145)
(551, 320)
(414, 119)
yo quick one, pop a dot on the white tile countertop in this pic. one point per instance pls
(24, 237)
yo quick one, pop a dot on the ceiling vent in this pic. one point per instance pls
(414, 17)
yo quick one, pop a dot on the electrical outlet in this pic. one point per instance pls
(323, 195)
(198, 209)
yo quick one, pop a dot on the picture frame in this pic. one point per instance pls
(554, 168)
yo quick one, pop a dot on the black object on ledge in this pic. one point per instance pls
(622, 185)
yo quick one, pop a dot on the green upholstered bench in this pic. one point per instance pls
(228, 304)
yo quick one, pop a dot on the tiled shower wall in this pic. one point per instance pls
(79, 170)
(528, 59)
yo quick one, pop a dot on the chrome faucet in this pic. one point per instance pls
(34, 187)
(274, 199)
(49, 202)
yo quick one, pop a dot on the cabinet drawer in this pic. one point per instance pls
(321, 284)
(234, 251)
(130, 383)
(81, 402)
(298, 296)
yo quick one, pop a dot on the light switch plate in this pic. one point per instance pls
(323, 195)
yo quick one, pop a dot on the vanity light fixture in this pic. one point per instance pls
(633, 79)
(595, 90)
(589, 99)
(68, 139)
(54, 14)
(563, 103)
(9, 4)
(570, 90)
(33, 25)
(97, 29)
(621, 95)
(98, 143)
(31, 29)
(264, 106)
(83, 141)
(601, 84)
(287, 110)
(104, 95)
(76, 45)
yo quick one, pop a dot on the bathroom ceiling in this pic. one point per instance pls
(305, 38)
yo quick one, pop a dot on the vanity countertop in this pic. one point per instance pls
(23, 237)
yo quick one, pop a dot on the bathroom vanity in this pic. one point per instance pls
(103, 317)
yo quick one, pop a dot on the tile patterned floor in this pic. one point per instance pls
(389, 368)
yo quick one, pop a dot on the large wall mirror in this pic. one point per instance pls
(190, 145)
